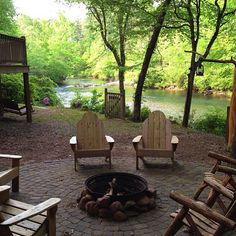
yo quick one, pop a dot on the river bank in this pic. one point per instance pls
(171, 100)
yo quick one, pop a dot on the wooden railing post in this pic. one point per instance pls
(227, 124)
(106, 102)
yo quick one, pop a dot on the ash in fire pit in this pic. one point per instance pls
(116, 195)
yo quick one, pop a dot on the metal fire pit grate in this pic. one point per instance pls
(132, 186)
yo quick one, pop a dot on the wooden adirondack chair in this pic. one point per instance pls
(21, 219)
(12, 174)
(201, 216)
(157, 140)
(91, 140)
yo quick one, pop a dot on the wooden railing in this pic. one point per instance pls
(12, 50)
(114, 105)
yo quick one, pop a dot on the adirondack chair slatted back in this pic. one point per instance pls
(90, 132)
(157, 132)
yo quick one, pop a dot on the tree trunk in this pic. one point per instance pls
(148, 55)
(121, 76)
(188, 100)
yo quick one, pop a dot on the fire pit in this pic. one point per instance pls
(116, 195)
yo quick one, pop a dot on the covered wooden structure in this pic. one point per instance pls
(13, 59)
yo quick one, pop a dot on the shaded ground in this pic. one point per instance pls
(48, 139)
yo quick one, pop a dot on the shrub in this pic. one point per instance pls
(93, 103)
(213, 121)
(42, 87)
(12, 87)
(145, 111)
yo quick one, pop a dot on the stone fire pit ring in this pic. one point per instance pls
(134, 185)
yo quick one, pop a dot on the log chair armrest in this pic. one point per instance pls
(226, 170)
(73, 143)
(223, 158)
(13, 157)
(35, 210)
(219, 187)
(110, 140)
(202, 208)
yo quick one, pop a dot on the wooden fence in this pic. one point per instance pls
(115, 105)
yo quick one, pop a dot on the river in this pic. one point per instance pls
(170, 102)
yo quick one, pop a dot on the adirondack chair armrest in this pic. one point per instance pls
(136, 141)
(35, 210)
(220, 158)
(218, 187)
(174, 142)
(202, 208)
(110, 140)
(73, 143)
(8, 156)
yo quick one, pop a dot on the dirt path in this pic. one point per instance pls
(48, 140)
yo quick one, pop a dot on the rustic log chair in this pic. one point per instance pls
(226, 180)
(157, 140)
(18, 218)
(11, 174)
(200, 215)
(202, 219)
(91, 140)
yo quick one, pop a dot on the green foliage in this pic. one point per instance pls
(12, 87)
(92, 103)
(42, 87)
(128, 112)
(145, 112)
(212, 122)
(53, 47)
(7, 14)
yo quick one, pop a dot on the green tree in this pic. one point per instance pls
(7, 13)
(148, 55)
(117, 22)
(190, 16)
(52, 47)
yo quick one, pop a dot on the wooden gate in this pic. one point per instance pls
(115, 105)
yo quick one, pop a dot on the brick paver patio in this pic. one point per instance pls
(57, 178)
